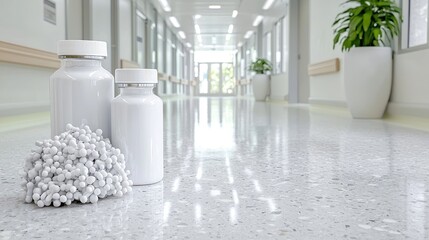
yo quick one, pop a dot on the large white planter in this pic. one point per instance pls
(260, 84)
(368, 80)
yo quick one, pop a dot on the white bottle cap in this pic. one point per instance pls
(136, 75)
(82, 48)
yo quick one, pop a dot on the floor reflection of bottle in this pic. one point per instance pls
(137, 124)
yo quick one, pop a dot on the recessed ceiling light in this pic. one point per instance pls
(230, 28)
(174, 21)
(165, 5)
(214, 6)
(188, 45)
(258, 20)
(198, 16)
(197, 29)
(234, 13)
(268, 4)
(240, 44)
(248, 34)
(182, 34)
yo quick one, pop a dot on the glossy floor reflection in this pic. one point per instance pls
(239, 169)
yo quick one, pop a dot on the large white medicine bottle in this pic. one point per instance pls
(137, 124)
(81, 90)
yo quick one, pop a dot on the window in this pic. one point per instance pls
(247, 60)
(160, 44)
(173, 63)
(185, 61)
(140, 38)
(267, 46)
(278, 47)
(250, 54)
(169, 53)
(415, 25)
(418, 23)
(179, 61)
(285, 23)
(240, 63)
(153, 41)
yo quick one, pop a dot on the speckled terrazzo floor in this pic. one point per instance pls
(236, 169)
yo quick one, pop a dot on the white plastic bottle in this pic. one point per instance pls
(137, 124)
(81, 90)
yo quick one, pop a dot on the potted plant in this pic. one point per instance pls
(364, 31)
(260, 81)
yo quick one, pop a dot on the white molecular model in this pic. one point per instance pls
(76, 165)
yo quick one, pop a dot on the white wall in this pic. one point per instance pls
(325, 88)
(304, 51)
(101, 27)
(21, 22)
(24, 88)
(279, 87)
(410, 74)
(411, 78)
(74, 20)
(125, 30)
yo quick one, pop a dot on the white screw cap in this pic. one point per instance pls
(136, 75)
(82, 48)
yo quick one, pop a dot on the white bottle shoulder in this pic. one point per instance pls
(82, 73)
(151, 99)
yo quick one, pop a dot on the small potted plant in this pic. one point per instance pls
(260, 81)
(364, 31)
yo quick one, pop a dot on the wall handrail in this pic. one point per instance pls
(325, 67)
(17, 54)
(129, 64)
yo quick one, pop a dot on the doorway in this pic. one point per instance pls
(216, 79)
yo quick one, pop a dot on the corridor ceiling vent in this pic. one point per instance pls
(234, 13)
(174, 21)
(215, 7)
(257, 20)
(165, 5)
(268, 4)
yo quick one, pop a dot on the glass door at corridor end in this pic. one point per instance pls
(216, 79)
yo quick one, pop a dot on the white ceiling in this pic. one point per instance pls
(214, 22)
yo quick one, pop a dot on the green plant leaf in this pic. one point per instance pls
(260, 66)
(357, 10)
(366, 23)
(355, 22)
(367, 20)
(377, 33)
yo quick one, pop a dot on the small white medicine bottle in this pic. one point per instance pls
(137, 124)
(81, 90)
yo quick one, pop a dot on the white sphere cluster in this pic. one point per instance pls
(77, 165)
